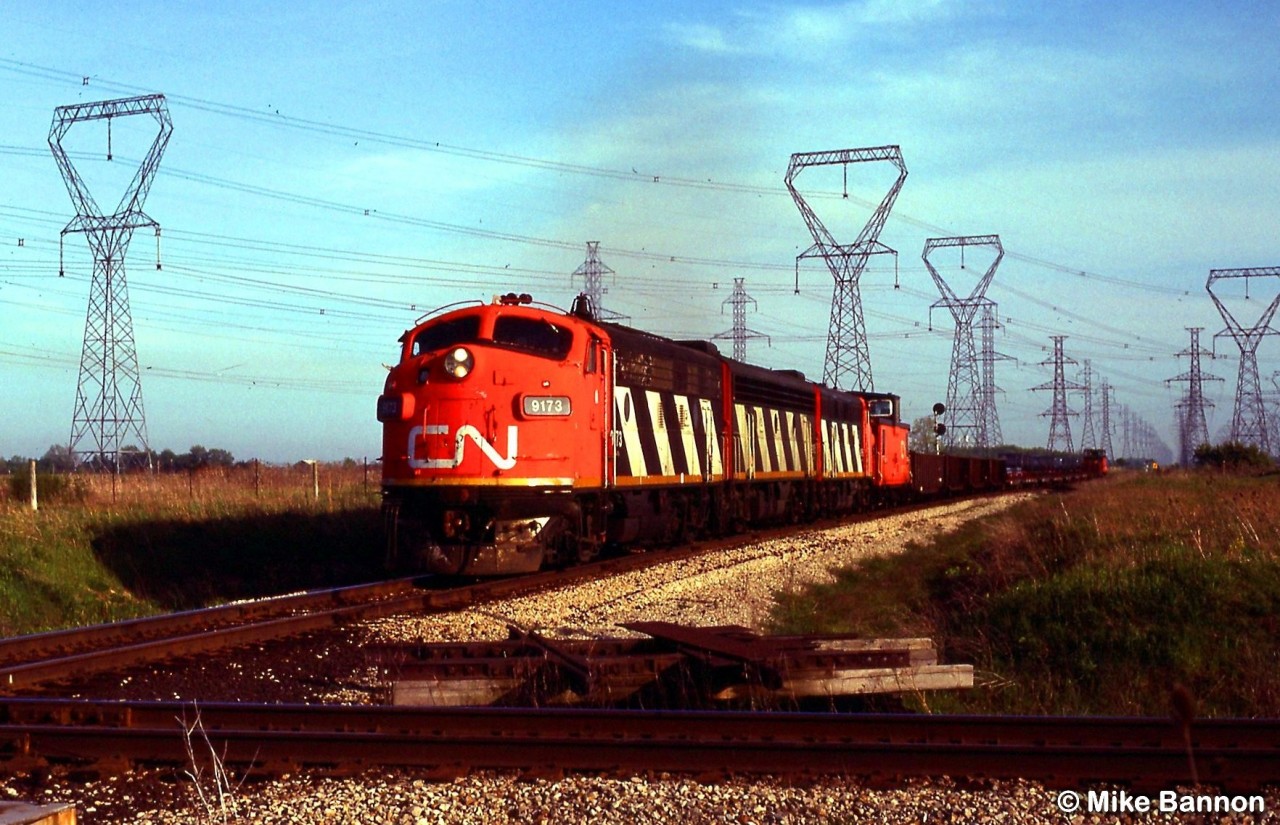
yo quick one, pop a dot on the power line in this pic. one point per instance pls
(337, 130)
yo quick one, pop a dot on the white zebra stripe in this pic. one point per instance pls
(763, 462)
(687, 438)
(805, 445)
(785, 438)
(838, 455)
(666, 465)
(741, 445)
(828, 467)
(841, 444)
(779, 448)
(713, 443)
(626, 416)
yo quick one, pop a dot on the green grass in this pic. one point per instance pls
(1099, 600)
(49, 577)
(158, 544)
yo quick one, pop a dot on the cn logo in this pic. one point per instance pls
(465, 432)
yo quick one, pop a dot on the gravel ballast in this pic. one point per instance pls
(733, 586)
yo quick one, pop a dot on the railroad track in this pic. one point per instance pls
(62, 654)
(28, 661)
(275, 738)
(1145, 754)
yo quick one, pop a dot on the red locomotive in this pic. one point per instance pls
(517, 435)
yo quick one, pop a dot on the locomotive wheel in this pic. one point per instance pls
(587, 549)
(410, 546)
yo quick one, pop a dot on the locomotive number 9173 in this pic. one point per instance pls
(545, 405)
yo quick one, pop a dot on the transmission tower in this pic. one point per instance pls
(1193, 429)
(740, 334)
(848, 358)
(965, 397)
(1108, 397)
(1273, 411)
(1059, 424)
(108, 407)
(1087, 438)
(1126, 421)
(990, 416)
(1142, 442)
(592, 272)
(1249, 421)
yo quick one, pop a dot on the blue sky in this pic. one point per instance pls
(337, 169)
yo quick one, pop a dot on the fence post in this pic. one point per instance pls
(257, 479)
(315, 479)
(34, 505)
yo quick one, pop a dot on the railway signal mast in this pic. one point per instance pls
(739, 333)
(967, 396)
(1249, 421)
(1059, 424)
(848, 360)
(108, 407)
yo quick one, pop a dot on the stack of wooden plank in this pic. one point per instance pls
(675, 666)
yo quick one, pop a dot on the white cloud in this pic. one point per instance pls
(702, 37)
(803, 31)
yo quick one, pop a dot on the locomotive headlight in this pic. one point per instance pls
(459, 363)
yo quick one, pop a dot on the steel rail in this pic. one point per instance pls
(27, 661)
(30, 660)
(129, 631)
(1144, 753)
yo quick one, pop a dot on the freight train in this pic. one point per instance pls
(518, 436)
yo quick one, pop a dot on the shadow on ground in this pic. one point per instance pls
(182, 564)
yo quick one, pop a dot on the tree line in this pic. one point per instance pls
(58, 459)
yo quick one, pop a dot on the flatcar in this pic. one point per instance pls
(517, 435)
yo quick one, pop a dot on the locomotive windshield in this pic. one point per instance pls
(446, 334)
(534, 335)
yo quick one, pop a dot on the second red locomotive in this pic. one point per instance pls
(516, 435)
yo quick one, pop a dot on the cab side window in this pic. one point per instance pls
(593, 363)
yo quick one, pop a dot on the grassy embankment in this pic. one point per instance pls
(1095, 601)
(173, 542)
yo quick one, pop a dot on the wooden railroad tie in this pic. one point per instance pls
(676, 666)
